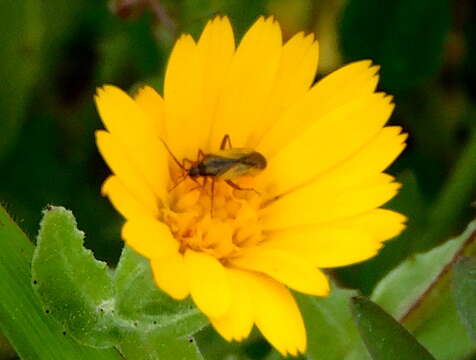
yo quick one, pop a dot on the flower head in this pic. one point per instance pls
(237, 247)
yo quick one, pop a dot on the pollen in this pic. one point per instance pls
(218, 219)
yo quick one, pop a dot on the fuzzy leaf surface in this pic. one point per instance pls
(32, 332)
(76, 289)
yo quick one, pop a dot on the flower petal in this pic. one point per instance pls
(295, 75)
(216, 48)
(320, 204)
(326, 247)
(170, 274)
(363, 199)
(382, 224)
(276, 314)
(134, 131)
(150, 238)
(209, 283)
(335, 90)
(249, 82)
(373, 158)
(117, 159)
(350, 81)
(183, 86)
(237, 322)
(124, 201)
(328, 142)
(153, 106)
(285, 267)
(352, 174)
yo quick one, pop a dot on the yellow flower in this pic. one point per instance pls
(316, 205)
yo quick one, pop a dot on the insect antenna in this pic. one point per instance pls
(173, 156)
(180, 165)
(185, 172)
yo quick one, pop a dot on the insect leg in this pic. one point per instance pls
(186, 162)
(226, 140)
(200, 155)
(202, 186)
(238, 187)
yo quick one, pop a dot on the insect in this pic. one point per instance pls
(226, 164)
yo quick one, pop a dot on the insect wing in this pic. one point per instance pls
(234, 153)
(216, 165)
(234, 167)
(238, 169)
(232, 163)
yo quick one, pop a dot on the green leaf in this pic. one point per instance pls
(75, 288)
(126, 310)
(417, 293)
(6, 350)
(329, 325)
(402, 288)
(139, 299)
(138, 346)
(399, 35)
(33, 334)
(162, 327)
(464, 292)
(384, 337)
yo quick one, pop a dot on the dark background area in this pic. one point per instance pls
(55, 53)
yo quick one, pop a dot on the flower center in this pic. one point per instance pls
(219, 223)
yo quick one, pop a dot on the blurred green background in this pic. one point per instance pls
(55, 53)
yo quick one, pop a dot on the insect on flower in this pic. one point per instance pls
(239, 257)
(226, 164)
